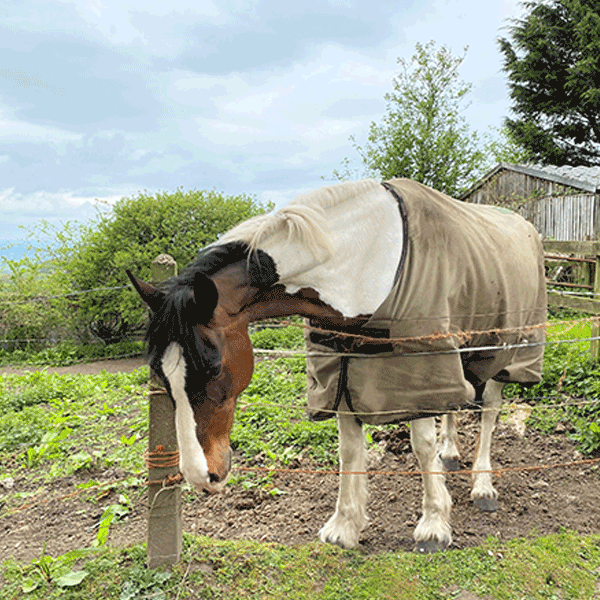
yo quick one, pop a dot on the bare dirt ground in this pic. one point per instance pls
(531, 503)
(123, 365)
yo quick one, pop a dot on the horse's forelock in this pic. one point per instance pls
(180, 314)
(175, 322)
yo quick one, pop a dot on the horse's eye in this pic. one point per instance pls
(216, 391)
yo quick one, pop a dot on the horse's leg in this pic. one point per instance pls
(345, 525)
(484, 495)
(449, 443)
(433, 531)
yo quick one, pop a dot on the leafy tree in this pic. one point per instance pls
(422, 135)
(30, 303)
(552, 59)
(130, 236)
(499, 146)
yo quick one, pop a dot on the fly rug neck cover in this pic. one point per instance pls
(466, 268)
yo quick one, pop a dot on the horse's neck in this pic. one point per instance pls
(356, 272)
(238, 298)
(276, 302)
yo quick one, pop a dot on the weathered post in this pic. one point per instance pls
(595, 344)
(164, 496)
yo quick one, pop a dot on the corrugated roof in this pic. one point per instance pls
(581, 178)
(588, 174)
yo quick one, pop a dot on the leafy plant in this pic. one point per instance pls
(143, 583)
(46, 569)
(111, 513)
(568, 372)
(49, 445)
(272, 338)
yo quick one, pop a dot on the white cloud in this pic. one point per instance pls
(118, 22)
(158, 115)
(12, 130)
(281, 197)
(43, 203)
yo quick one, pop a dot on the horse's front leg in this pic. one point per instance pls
(349, 518)
(433, 531)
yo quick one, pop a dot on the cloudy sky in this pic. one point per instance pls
(100, 100)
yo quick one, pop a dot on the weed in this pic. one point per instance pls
(111, 513)
(69, 353)
(46, 570)
(271, 338)
(50, 445)
(142, 583)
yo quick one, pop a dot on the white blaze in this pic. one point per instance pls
(192, 462)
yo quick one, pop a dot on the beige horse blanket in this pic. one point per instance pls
(472, 277)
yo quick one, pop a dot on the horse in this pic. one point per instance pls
(413, 299)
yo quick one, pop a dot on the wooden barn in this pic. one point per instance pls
(562, 202)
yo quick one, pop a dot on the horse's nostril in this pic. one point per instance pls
(213, 478)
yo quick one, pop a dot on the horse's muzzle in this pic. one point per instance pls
(217, 481)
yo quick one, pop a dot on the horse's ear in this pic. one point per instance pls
(152, 296)
(206, 297)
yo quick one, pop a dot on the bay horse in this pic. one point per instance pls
(335, 256)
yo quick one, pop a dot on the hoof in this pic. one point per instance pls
(486, 504)
(335, 541)
(451, 464)
(340, 533)
(431, 546)
(339, 541)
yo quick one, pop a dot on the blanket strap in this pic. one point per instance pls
(404, 219)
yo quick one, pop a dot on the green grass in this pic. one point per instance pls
(569, 375)
(67, 353)
(52, 426)
(564, 566)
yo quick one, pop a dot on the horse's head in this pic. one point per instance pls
(201, 351)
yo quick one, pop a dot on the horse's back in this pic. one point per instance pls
(468, 268)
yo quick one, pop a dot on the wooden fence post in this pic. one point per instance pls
(164, 540)
(595, 344)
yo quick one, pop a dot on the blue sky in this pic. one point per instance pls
(100, 100)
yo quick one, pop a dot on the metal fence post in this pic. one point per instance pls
(164, 540)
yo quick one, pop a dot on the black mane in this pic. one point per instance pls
(176, 319)
(211, 260)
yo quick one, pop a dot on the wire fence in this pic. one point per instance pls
(136, 480)
(62, 296)
(44, 498)
(460, 336)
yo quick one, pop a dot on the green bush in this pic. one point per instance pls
(568, 375)
(133, 234)
(77, 258)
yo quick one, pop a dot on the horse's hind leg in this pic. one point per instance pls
(433, 531)
(345, 525)
(449, 443)
(484, 496)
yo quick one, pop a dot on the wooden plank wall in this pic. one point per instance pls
(586, 304)
(510, 186)
(564, 218)
(558, 217)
